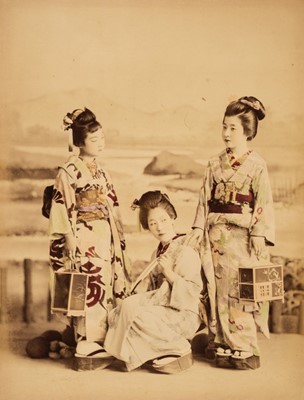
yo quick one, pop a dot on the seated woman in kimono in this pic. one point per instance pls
(155, 324)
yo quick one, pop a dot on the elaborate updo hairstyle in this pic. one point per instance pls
(150, 200)
(250, 111)
(81, 122)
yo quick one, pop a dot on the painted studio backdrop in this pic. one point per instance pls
(158, 75)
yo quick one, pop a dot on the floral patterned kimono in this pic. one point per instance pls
(158, 321)
(236, 203)
(85, 202)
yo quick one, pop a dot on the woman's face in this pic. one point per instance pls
(94, 144)
(161, 224)
(233, 133)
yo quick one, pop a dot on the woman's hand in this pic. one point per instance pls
(70, 246)
(257, 244)
(165, 267)
(194, 238)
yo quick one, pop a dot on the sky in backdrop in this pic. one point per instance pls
(153, 55)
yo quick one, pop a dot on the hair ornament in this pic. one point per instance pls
(256, 105)
(135, 204)
(70, 118)
(67, 122)
(165, 196)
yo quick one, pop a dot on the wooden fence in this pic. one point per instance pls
(293, 322)
(287, 188)
(27, 303)
(3, 294)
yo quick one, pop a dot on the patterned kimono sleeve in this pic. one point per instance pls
(187, 284)
(114, 204)
(262, 223)
(204, 197)
(110, 189)
(63, 204)
(205, 250)
(122, 264)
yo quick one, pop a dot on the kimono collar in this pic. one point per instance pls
(236, 162)
(161, 249)
(90, 169)
(225, 168)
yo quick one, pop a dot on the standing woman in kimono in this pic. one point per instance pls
(235, 212)
(86, 231)
(156, 323)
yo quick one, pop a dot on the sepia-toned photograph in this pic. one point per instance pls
(152, 199)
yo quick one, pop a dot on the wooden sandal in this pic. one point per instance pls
(172, 364)
(223, 358)
(245, 360)
(95, 359)
(91, 363)
(209, 352)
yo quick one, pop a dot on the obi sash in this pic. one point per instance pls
(91, 205)
(226, 199)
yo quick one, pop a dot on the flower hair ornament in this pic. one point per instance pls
(256, 105)
(135, 204)
(68, 122)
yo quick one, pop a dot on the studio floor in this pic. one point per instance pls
(279, 377)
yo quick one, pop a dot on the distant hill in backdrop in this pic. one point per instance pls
(38, 122)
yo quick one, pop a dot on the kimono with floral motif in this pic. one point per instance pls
(236, 203)
(159, 319)
(85, 202)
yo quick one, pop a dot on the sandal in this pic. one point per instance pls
(209, 353)
(171, 364)
(91, 364)
(223, 358)
(245, 360)
(91, 356)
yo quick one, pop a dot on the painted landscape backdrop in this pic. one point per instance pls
(158, 74)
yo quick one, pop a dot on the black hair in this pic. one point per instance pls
(84, 122)
(250, 111)
(150, 200)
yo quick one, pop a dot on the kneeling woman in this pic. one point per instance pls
(155, 325)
